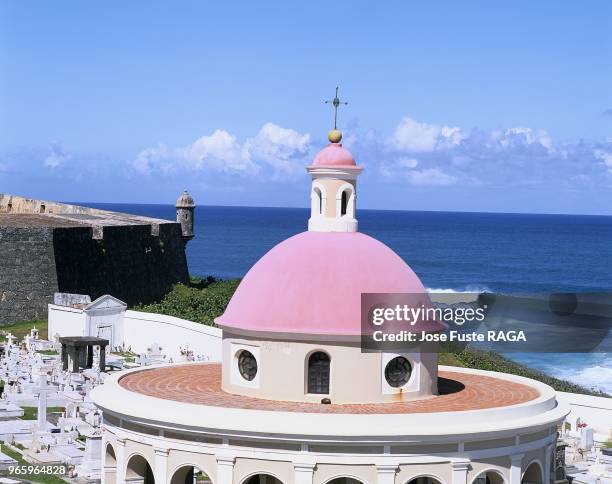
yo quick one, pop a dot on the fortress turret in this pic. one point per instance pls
(185, 207)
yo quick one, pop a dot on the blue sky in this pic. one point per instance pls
(453, 105)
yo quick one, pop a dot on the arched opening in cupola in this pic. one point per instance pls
(317, 201)
(345, 201)
(318, 373)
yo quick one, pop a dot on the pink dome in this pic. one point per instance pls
(312, 283)
(334, 155)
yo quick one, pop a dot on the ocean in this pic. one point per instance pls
(511, 253)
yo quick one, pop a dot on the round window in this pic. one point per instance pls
(397, 372)
(247, 365)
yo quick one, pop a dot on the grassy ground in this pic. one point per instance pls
(45, 479)
(22, 328)
(48, 352)
(31, 413)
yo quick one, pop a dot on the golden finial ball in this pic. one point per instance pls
(334, 136)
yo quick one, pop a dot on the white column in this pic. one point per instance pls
(460, 469)
(161, 465)
(386, 473)
(515, 468)
(548, 462)
(121, 464)
(225, 469)
(303, 473)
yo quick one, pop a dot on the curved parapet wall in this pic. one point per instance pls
(488, 403)
(173, 418)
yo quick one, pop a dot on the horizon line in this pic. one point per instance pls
(361, 209)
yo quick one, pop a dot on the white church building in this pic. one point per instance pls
(293, 399)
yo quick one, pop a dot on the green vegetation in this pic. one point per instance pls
(47, 352)
(128, 356)
(45, 479)
(125, 354)
(201, 301)
(31, 413)
(22, 328)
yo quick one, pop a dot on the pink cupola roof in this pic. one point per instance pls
(312, 284)
(334, 154)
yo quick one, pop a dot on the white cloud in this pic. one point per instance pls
(282, 148)
(430, 177)
(149, 159)
(606, 157)
(57, 157)
(520, 136)
(410, 135)
(219, 151)
(404, 169)
(407, 162)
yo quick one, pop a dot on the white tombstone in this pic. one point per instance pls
(43, 389)
(155, 354)
(91, 465)
(586, 438)
(11, 339)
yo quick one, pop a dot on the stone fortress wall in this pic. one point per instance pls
(48, 247)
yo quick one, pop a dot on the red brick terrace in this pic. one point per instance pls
(201, 384)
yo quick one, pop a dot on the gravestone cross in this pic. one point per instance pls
(43, 389)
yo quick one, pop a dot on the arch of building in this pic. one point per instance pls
(318, 363)
(489, 476)
(344, 480)
(534, 473)
(262, 479)
(188, 474)
(138, 470)
(345, 200)
(110, 465)
(319, 200)
(424, 479)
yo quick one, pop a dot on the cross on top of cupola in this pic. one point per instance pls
(334, 184)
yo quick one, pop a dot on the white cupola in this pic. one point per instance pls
(334, 188)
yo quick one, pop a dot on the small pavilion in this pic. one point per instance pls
(80, 351)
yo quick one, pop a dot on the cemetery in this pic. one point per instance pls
(47, 419)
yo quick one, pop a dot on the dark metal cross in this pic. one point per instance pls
(336, 102)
